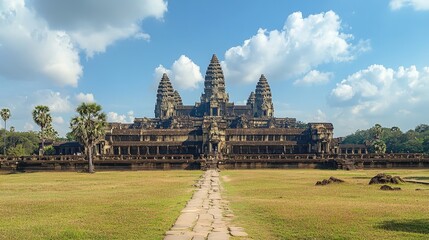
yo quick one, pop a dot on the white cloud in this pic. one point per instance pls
(130, 115)
(58, 120)
(122, 118)
(41, 40)
(314, 77)
(30, 51)
(28, 127)
(86, 98)
(320, 116)
(381, 94)
(94, 25)
(419, 5)
(161, 70)
(184, 73)
(301, 45)
(54, 100)
(343, 91)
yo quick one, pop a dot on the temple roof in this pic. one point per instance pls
(177, 98)
(214, 82)
(165, 84)
(263, 88)
(251, 99)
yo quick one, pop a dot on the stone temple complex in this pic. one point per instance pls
(215, 133)
(216, 125)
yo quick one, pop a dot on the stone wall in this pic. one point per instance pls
(226, 161)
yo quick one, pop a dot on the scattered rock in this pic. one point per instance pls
(389, 188)
(383, 178)
(328, 181)
(336, 180)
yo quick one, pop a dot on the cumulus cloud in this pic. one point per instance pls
(320, 116)
(160, 70)
(94, 25)
(130, 115)
(29, 50)
(301, 45)
(58, 120)
(314, 77)
(184, 73)
(378, 93)
(56, 102)
(42, 39)
(86, 98)
(419, 5)
(122, 118)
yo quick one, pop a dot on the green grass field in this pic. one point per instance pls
(285, 204)
(104, 205)
(269, 204)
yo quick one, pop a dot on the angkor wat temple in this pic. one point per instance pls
(215, 133)
(216, 125)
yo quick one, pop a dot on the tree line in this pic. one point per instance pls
(392, 140)
(87, 127)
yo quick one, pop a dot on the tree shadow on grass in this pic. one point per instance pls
(411, 225)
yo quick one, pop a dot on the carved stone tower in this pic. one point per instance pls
(214, 98)
(165, 99)
(251, 101)
(177, 99)
(263, 99)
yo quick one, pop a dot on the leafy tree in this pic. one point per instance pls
(378, 144)
(28, 140)
(396, 141)
(49, 150)
(70, 137)
(301, 125)
(426, 145)
(5, 115)
(16, 151)
(422, 128)
(42, 117)
(89, 128)
(359, 137)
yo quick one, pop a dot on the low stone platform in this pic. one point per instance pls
(206, 215)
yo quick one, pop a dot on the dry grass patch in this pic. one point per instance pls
(286, 204)
(105, 205)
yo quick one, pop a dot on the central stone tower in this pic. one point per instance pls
(214, 99)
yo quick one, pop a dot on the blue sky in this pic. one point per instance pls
(352, 63)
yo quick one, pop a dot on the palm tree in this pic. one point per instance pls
(42, 117)
(89, 128)
(378, 143)
(5, 115)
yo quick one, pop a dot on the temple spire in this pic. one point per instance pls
(165, 98)
(214, 98)
(263, 99)
(214, 59)
(177, 99)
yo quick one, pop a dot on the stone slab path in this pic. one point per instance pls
(206, 215)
